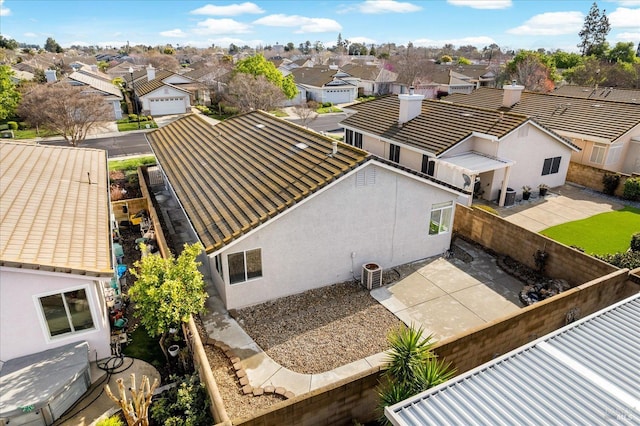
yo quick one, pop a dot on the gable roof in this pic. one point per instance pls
(51, 216)
(603, 119)
(149, 86)
(318, 76)
(238, 174)
(439, 126)
(589, 369)
(602, 93)
(96, 83)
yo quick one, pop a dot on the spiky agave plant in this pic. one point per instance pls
(411, 368)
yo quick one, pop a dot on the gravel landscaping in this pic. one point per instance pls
(321, 329)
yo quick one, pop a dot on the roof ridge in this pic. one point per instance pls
(484, 109)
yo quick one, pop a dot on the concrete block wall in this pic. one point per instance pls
(338, 404)
(501, 236)
(591, 177)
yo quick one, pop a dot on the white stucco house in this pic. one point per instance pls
(281, 209)
(55, 249)
(325, 84)
(163, 92)
(604, 123)
(111, 93)
(488, 152)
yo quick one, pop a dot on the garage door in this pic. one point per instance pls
(164, 106)
(339, 96)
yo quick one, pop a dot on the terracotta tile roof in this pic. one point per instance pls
(603, 119)
(238, 174)
(602, 93)
(149, 86)
(440, 125)
(51, 217)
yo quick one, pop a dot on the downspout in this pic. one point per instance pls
(505, 184)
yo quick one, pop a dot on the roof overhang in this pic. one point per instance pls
(582, 136)
(477, 163)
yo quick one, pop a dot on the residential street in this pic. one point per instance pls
(116, 146)
(325, 123)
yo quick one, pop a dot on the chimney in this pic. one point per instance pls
(410, 106)
(334, 148)
(94, 68)
(511, 95)
(50, 75)
(151, 73)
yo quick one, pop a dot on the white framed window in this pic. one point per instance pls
(441, 216)
(597, 153)
(394, 153)
(244, 265)
(66, 312)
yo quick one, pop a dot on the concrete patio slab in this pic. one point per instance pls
(485, 302)
(413, 290)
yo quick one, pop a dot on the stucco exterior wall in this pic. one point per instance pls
(23, 329)
(164, 92)
(328, 238)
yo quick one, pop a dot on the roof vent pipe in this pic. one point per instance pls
(334, 148)
(411, 90)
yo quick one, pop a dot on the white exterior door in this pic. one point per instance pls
(167, 105)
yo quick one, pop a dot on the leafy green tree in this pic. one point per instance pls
(445, 59)
(257, 65)
(52, 46)
(412, 367)
(594, 30)
(8, 43)
(318, 46)
(463, 61)
(167, 291)
(622, 52)
(372, 50)
(566, 60)
(9, 95)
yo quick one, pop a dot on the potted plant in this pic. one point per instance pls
(543, 188)
(526, 192)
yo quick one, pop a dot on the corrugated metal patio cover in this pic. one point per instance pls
(584, 374)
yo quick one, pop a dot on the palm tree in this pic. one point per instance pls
(412, 367)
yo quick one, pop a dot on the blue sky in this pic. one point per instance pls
(512, 24)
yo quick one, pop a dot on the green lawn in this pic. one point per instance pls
(31, 134)
(131, 163)
(279, 113)
(128, 126)
(145, 348)
(326, 110)
(605, 233)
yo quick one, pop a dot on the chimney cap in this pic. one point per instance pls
(514, 82)
(411, 90)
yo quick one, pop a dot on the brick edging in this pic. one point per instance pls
(241, 374)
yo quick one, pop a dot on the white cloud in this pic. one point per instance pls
(550, 23)
(3, 10)
(228, 10)
(362, 40)
(304, 24)
(173, 33)
(623, 17)
(626, 37)
(629, 3)
(221, 26)
(387, 6)
(30, 35)
(478, 41)
(482, 4)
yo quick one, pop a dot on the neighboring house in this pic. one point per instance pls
(601, 93)
(122, 70)
(324, 84)
(164, 92)
(589, 370)
(442, 80)
(55, 249)
(109, 91)
(212, 80)
(370, 79)
(281, 209)
(19, 76)
(608, 132)
(478, 149)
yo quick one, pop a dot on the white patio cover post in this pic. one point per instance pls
(505, 184)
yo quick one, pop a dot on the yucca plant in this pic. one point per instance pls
(411, 368)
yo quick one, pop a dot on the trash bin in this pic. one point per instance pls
(509, 198)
